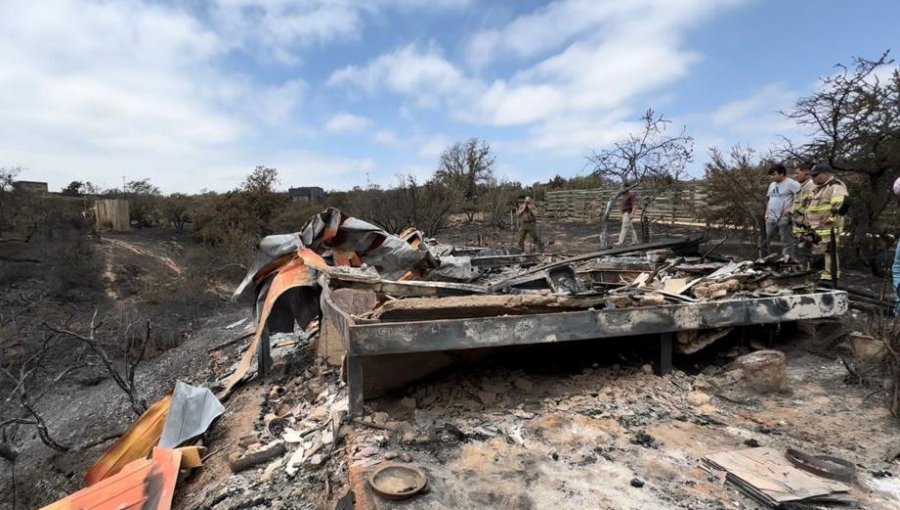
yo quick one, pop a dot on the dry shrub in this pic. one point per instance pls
(293, 216)
(881, 371)
(891, 336)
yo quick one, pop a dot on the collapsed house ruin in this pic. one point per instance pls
(387, 310)
(390, 305)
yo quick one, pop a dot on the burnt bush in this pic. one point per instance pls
(49, 246)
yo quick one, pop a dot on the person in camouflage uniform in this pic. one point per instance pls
(823, 213)
(527, 214)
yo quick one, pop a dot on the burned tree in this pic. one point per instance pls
(653, 154)
(735, 185)
(854, 124)
(465, 168)
(133, 345)
(34, 373)
(427, 206)
(31, 381)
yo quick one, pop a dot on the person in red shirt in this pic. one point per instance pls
(629, 199)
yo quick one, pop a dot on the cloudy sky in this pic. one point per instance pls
(194, 93)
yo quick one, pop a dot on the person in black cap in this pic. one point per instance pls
(825, 215)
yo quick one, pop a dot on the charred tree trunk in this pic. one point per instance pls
(604, 220)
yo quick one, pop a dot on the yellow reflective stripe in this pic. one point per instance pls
(838, 200)
(819, 208)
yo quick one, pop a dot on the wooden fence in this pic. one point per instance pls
(683, 204)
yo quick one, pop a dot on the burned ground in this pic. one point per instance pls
(145, 275)
(574, 425)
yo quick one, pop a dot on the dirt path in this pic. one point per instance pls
(152, 251)
(128, 251)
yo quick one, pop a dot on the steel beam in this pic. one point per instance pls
(456, 334)
(371, 339)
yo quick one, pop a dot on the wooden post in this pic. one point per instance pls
(664, 361)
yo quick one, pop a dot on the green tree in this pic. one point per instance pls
(465, 168)
(74, 189)
(144, 200)
(175, 209)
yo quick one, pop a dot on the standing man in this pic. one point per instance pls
(798, 211)
(825, 214)
(628, 201)
(781, 193)
(527, 214)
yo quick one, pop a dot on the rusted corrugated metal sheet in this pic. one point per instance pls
(296, 273)
(146, 484)
(137, 443)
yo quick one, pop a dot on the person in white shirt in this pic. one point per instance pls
(781, 193)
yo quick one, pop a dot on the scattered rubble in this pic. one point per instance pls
(501, 437)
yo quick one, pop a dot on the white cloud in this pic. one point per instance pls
(277, 29)
(594, 60)
(432, 146)
(753, 120)
(347, 123)
(580, 133)
(386, 137)
(759, 111)
(278, 104)
(424, 75)
(112, 77)
(546, 28)
(425, 145)
(307, 168)
(97, 90)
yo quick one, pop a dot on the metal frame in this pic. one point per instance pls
(374, 339)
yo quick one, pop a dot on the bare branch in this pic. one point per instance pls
(650, 154)
(124, 379)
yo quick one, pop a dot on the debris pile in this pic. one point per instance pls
(367, 301)
(505, 438)
(142, 467)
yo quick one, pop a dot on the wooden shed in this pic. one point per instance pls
(112, 214)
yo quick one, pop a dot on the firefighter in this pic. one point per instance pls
(798, 212)
(527, 214)
(824, 215)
